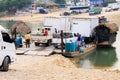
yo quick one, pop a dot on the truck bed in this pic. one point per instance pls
(41, 38)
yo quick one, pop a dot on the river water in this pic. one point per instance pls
(34, 25)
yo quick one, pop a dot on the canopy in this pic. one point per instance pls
(20, 27)
(112, 26)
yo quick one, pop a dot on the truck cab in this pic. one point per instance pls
(7, 50)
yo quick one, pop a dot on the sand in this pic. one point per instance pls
(55, 67)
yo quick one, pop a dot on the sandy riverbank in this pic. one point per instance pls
(56, 67)
(112, 16)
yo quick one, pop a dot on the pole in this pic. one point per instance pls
(62, 43)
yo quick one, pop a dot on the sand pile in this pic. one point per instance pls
(58, 60)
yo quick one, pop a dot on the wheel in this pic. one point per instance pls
(56, 46)
(5, 65)
(48, 43)
(37, 44)
(0, 67)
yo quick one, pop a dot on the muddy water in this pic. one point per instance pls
(33, 25)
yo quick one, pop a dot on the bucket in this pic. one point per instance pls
(82, 49)
(73, 47)
(67, 47)
(76, 46)
(18, 42)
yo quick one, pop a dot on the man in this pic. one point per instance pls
(79, 39)
(46, 32)
(27, 39)
(39, 31)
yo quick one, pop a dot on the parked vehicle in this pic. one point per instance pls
(95, 10)
(42, 38)
(67, 13)
(114, 6)
(7, 50)
(43, 11)
(57, 22)
(79, 9)
(108, 9)
(83, 26)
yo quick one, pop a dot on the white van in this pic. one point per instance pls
(7, 50)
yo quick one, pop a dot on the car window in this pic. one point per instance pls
(6, 37)
(65, 35)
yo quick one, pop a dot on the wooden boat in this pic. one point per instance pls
(89, 48)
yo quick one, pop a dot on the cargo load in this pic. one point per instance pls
(106, 33)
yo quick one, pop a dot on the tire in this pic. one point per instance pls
(0, 67)
(56, 47)
(37, 44)
(5, 65)
(48, 43)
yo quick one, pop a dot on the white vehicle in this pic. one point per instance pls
(67, 37)
(83, 26)
(41, 38)
(59, 22)
(108, 9)
(114, 6)
(7, 50)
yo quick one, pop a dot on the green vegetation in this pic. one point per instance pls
(12, 5)
(59, 1)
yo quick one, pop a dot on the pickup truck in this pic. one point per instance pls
(95, 10)
(67, 37)
(41, 39)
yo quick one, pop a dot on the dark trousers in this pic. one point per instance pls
(28, 43)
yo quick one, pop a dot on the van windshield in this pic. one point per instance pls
(65, 35)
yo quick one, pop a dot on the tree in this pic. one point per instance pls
(12, 5)
(59, 1)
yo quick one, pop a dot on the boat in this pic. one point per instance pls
(88, 49)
